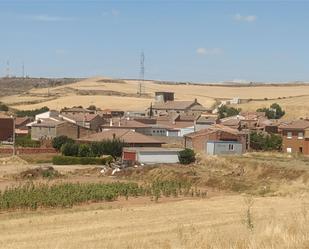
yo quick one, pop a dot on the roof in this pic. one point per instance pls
(21, 120)
(178, 105)
(47, 122)
(207, 119)
(295, 125)
(151, 149)
(128, 136)
(212, 129)
(76, 109)
(125, 123)
(80, 117)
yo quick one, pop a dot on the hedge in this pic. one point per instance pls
(71, 160)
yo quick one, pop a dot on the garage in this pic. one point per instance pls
(151, 155)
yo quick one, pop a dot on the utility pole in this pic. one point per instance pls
(23, 70)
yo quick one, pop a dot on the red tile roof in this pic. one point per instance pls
(214, 128)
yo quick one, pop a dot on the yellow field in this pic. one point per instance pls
(124, 95)
(219, 222)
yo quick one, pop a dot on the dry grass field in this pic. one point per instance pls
(122, 94)
(256, 201)
(219, 222)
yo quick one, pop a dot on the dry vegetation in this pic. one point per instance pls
(122, 94)
(257, 201)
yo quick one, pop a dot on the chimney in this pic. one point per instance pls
(195, 100)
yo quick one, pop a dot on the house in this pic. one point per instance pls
(77, 110)
(205, 121)
(295, 137)
(217, 139)
(6, 128)
(129, 137)
(149, 155)
(47, 129)
(48, 114)
(21, 128)
(87, 120)
(110, 113)
(165, 104)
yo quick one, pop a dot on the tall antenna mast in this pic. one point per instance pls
(23, 70)
(8, 69)
(142, 74)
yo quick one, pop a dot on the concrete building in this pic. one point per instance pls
(150, 155)
(223, 147)
(212, 136)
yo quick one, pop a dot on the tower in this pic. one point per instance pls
(141, 86)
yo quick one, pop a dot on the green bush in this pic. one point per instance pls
(32, 113)
(84, 150)
(61, 140)
(225, 111)
(265, 142)
(274, 112)
(71, 160)
(25, 141)
(3, 107)
(69, 149)
(186, 156)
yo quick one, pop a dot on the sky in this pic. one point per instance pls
(193, 41)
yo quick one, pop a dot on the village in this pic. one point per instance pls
(157, 135)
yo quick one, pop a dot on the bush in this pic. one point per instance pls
(274, 112)
(26, 141)
(70, 149)
(186, 156)
(225, 111)
(71, 160)
(3, 107)
(31, 113)
(265, 142)
(84, 150)
(61, 140)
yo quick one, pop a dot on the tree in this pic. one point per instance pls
(265, 142)
(186, 156)
(274, 112)
(225, 111)
(3, 107)
(84, 150)
(59, 141)
(32, 113)
(92, 108)
(70, 149)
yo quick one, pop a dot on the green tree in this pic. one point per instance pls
(59, 141)
(84, 150)
(3, 107)
(225, 111)
(70, 149)
(274, 112)
(265, 142)
(186, 156)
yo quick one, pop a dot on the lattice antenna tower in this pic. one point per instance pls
(141, 85)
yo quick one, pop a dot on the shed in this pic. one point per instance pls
(223, 147)
(151, 155)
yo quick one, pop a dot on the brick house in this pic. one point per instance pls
(48, 129)
(6, 128)
(217, 133)
(87, 120)
(295, 137)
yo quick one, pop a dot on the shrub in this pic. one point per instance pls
(71, 160)
(266, 142)
(186, 156)
(61, 140)
(25, 141)
(225, 111)
(274, 112)
(70, 149)
(84, 150)
(31, 113)
(3, 107)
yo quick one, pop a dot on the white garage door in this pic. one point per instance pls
(152, 157)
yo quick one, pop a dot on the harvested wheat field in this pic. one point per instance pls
(219, 222)
(122, 94)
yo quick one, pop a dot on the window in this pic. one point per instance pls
(300, 135)
(289, 135)
(231, 147)
(289, 150)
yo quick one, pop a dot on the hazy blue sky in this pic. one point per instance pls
(182, 40)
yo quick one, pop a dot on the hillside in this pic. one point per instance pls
(122, 94)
